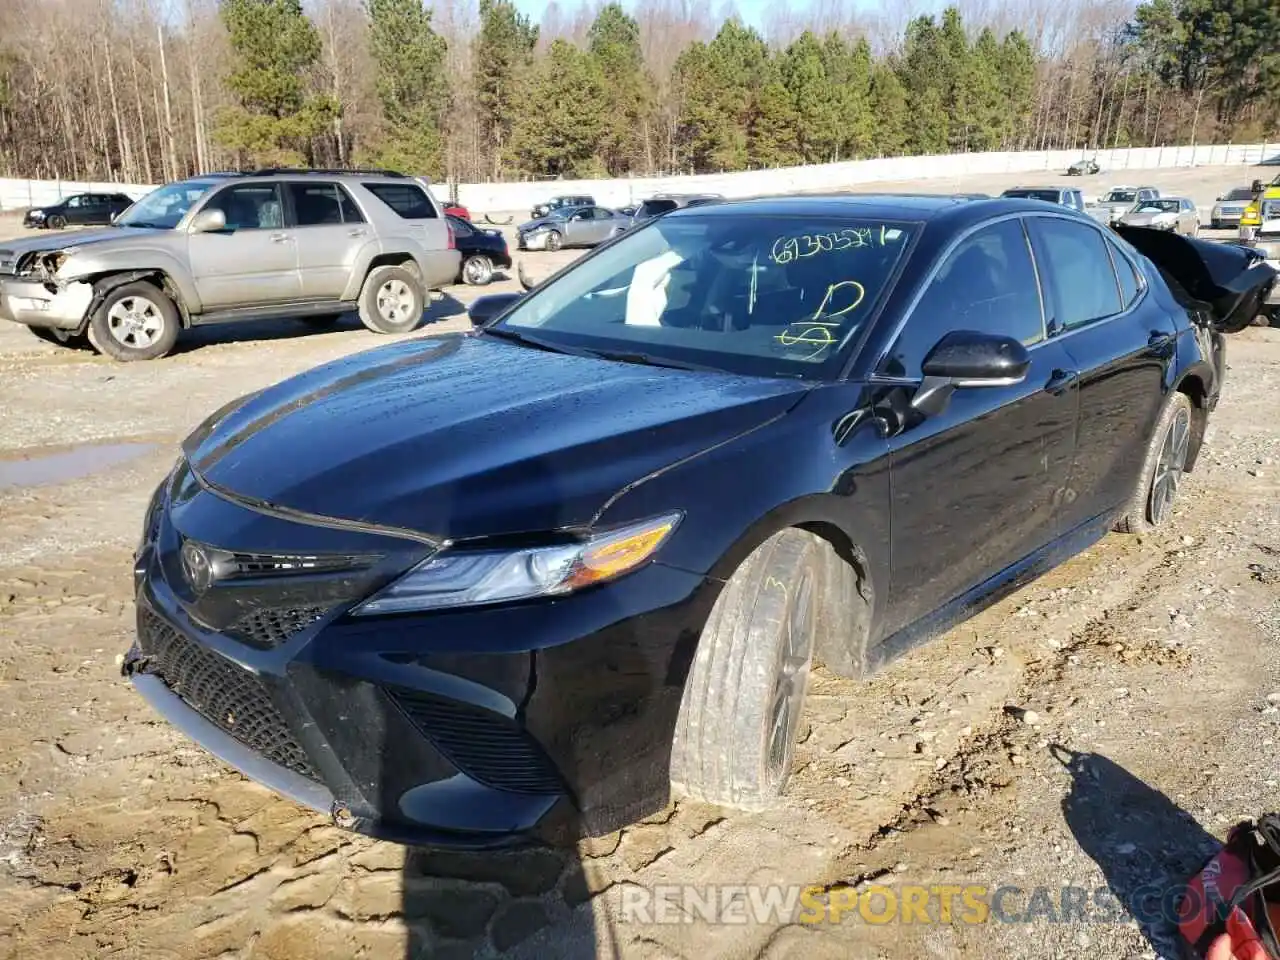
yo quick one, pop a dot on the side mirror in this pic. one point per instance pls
(484, 309)
(209, 221)
(966, 358)
(1257, 186)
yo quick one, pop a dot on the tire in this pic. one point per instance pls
(735, 735)
(60, 338)
(477, 270)
(554, 241)
(392, 300)
(58, 222)
(1164, 464)
(136, 321)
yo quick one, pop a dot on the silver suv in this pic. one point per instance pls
(311, 244)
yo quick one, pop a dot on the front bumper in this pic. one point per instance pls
(40, 304)
(532, 241)
(538, 721)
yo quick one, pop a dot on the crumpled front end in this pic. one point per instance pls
(34, 294)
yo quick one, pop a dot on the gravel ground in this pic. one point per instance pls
(1097, 731)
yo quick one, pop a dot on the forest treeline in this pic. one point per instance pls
(471, 90)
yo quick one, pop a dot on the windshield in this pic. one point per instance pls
(755, 294)
(1120, 196)
(165, 206)
(1050, 195)
(1271, 209)
(1156, 206)
(1240, 193)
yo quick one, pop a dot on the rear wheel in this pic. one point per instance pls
(1166, 460)
(391, 300)
(477, 270)
(136, 321)
(735, 736)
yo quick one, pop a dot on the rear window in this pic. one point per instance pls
(651, 208)
(406, 199)
(1049, 195)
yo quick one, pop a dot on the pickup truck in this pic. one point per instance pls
(1118, 201)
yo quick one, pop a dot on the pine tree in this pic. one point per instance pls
(503, 57)
(276, 115)
(614, 42)
(892, 133)
(989, 105)
(815, 99)
(411, 85)
(849, 73)
(1017, 73)
(773, 139)
(702, 125)
(925, 73)
(561, 138)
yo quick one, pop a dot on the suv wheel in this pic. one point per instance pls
(58, 222)
(392, 300)
(1167, 453)
(136, 321)
(735, 736)
(478, 270)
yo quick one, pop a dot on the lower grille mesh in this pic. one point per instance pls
(268, 627)
(486, 746)
(223, 693)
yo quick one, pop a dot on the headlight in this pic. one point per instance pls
(36, 214)
(464, 578)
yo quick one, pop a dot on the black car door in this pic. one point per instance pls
(1121, 341)
(976, 487)
(74, 209)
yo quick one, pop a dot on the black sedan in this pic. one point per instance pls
(530, 580)
(482, 251)
(78, 210)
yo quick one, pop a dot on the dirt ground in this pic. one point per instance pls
(1096, 731)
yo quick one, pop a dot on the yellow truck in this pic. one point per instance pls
(1252, 217)
(1260, 228)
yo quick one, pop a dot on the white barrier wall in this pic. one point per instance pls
(504, 197)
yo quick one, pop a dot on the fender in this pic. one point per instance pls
(104, 285)
(152, 261)
(369, 251)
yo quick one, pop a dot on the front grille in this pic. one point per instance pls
(223, 693)
(267, 627)
(488, 747)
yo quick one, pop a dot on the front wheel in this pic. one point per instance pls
(58, 222)
(554, 241)
(391, 300)
(735, 735)
(136, 321)
(1167, 454)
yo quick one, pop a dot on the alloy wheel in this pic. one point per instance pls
(793, 677)
(395, 301)
(135, 322)
(1169, 467)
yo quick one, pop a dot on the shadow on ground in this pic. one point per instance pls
(263, 330)
(1146, 845)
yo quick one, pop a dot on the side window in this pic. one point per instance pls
(600, 213)
(76, 202)
(1130, 287)
(1083, 283)
(408, 200)
(460, 227)
(987, 284)
(250, 206)
(315, 204)
(350, 212)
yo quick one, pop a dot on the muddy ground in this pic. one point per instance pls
(1098, 730)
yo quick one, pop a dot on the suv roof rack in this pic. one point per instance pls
(325, 171)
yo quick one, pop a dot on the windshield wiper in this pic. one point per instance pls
(649, 360)
(143, 224)
(506, 333)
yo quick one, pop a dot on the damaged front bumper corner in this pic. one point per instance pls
(45, 303)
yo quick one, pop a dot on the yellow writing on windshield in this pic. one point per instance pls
(787, 249)
(819, 330)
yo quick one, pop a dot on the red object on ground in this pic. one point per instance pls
(1218, 919)
(457, 210)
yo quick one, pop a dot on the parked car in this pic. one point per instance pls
(1085, 167)
(482, 251)
(1229, 208)
(457, 210)
(1266, 240)
(541, 210)
(310, 244)
(1062, 196)
(1255, 213)
(534, 579)
(1176, 214)
(78, 210)
(1118, 201)
(666, 202)
(570, 227)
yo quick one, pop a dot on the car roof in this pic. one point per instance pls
(958, 209)
(1034, 187)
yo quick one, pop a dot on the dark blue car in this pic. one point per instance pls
(530, 580)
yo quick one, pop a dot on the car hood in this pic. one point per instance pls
(1146, 219)
(537, 224)
(466, 436)
(78, 238)
(1233, 280)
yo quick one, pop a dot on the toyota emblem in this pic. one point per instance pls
(196, 567)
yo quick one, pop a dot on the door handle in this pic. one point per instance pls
(1159, 338)
(356, 233)
(279, 238)
(1060, 381)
